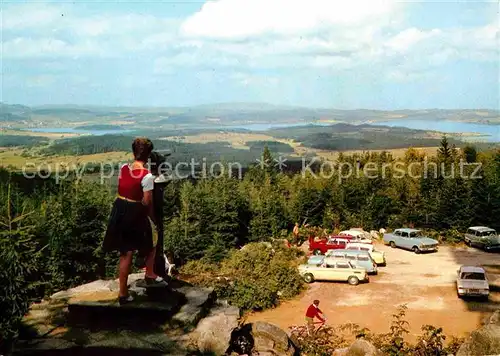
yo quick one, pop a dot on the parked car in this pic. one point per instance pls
(319, 247)
(341, 271)
(411, 239)
(472, 282)
(377, 256)
(315, 259)
(358, 258)
(482, 237)
(357, 235)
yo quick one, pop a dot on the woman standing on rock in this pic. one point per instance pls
(130, 224)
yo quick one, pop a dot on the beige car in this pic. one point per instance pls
(378, 256)
(339, 271)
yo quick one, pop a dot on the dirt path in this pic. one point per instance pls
(424, 282)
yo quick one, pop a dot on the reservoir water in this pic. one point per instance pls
(490, 133)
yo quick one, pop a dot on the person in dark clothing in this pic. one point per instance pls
(132, 223)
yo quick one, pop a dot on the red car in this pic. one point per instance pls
(332, 243)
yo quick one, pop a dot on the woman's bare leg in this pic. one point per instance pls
(150, 262)
(124, 270)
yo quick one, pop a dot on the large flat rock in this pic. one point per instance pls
(198, 304)
(101, 310)
(75, 342)
(95, 286)
(109, 300)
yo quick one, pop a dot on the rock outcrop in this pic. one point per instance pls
(88, 319)
(484, 341)
(363, 348)
(261, 338)
(213, 333)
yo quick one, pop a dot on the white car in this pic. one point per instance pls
(359, 236)
(472, 282)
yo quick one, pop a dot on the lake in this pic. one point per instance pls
(63, 130)
(491, 132)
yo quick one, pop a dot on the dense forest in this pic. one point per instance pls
(51, 233)
(344, 137)
(21, 140)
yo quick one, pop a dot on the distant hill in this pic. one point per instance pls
(12, 113)
(225, 114)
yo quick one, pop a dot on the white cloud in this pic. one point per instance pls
(47, 47)
(244, 35)
(330, 34)
(40, 30)
(246, 18)
(408, 38)
(30, 16)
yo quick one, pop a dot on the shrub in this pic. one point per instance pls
(18, 257)
(75, 226)
(197, 267)
(256, 277)
(326, 340)
(14, 301)
(261, 276)
(430, 343)
(393, 343)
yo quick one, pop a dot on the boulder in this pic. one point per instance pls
(213, 333)
(340, 352)
(198, 303)
(484, 341)
(362, 348)
(262, 339)
(269, 337)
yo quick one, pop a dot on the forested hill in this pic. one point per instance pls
(229, 113)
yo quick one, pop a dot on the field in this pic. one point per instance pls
(51, 135)
(238, 140)
(13, 158)
(425, 282)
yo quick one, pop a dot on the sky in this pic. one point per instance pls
(345, 54)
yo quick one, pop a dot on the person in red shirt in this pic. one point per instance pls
(132, 221)
(313, 312)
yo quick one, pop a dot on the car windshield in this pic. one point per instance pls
(478, 276)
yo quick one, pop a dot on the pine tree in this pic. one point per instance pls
(445, 151)
(470, 154)
(267, 209)
(18, 257)
(267, 160)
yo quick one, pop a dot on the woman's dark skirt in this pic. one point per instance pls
(128, 229)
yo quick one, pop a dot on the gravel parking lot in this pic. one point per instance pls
(425, 282)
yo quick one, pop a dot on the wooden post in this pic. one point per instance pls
(158, 203)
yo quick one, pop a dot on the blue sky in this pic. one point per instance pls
(348, 54)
